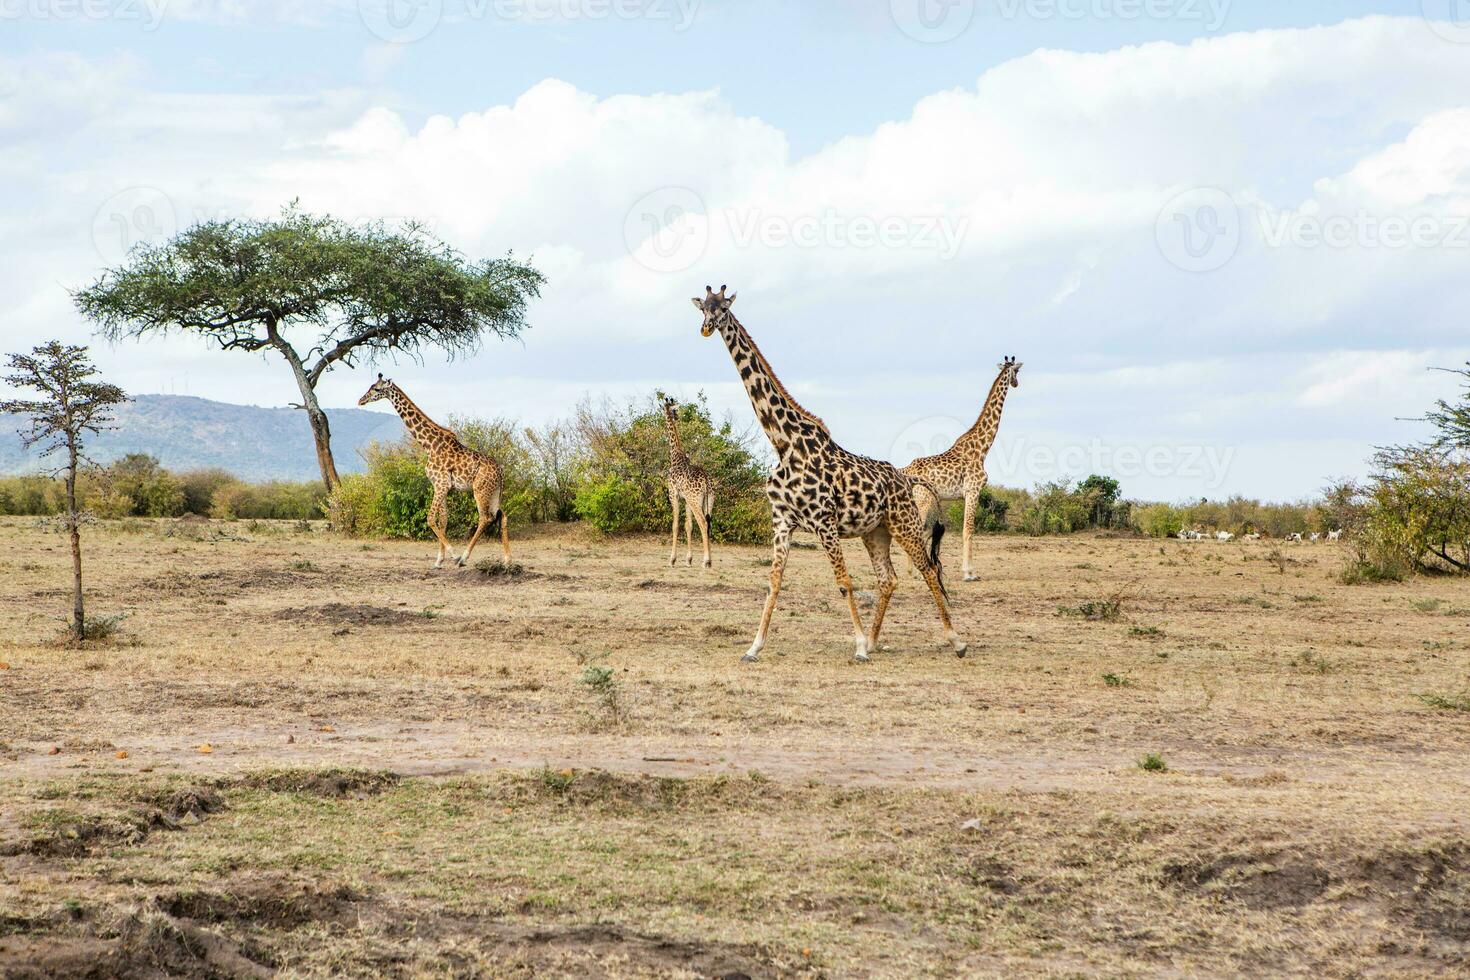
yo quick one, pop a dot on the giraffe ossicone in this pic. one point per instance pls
(818, 486)
(450, 465)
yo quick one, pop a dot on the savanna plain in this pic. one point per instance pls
(301, 755)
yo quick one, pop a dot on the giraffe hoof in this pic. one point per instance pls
(749, 658)
(960, 649)
(861, 658)
(971, 577)
(708, 563)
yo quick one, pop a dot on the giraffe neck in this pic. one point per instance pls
(676, 445)
(982, 434)
(779, 414)
(415, 421)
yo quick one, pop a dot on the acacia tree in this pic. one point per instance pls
(71, 406)
(317, 292)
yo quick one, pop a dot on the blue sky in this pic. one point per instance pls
(1225, 238)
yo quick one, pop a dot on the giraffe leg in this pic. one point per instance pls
(504, 531)
(484, 510)
(689, 532)
(833, 546)
(878, 542)
(674, 544)
(701, 517)
(909, 534)
(439, 519)
(972, 501)
(780, 546)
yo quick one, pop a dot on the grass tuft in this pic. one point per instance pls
(1153, 762)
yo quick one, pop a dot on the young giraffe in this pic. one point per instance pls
(820, 487)
(959, 471)
(691, 483)
(450, 465)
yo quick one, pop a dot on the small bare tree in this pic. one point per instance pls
(71, 406)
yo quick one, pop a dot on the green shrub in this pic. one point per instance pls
(30, 496)
(1159, 520)
(625, 486)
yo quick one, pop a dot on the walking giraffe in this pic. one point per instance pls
(820, 487)
(692, 484)
(450, 465)
(959, 471)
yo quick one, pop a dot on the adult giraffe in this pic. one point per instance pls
(820, 487)
(450, 465)
(959, 471)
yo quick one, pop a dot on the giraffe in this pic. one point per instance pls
(450, 465)
(820, 487)
(692, 484)
(959, 471)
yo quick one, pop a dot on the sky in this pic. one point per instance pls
(1227, 239)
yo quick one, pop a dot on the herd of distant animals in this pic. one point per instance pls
(1194, 534)
(816, 486)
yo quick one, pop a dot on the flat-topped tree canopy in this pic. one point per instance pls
(341, 292)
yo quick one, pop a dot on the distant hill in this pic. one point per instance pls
(192, 433)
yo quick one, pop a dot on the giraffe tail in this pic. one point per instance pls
(494, 526)
(707, 502)
(935, 537)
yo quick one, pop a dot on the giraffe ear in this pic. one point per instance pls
(730, 300)
(698, 303)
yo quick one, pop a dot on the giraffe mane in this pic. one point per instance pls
(776, 380)
(995, 388)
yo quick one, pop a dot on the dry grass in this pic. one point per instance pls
(568, 770)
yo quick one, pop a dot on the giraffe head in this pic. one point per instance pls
(1010, 369)
(377, 391)
(716, 309)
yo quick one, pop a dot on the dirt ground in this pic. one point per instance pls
(306, 756)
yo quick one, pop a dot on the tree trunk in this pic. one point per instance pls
(79, 616)
(321, 431)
